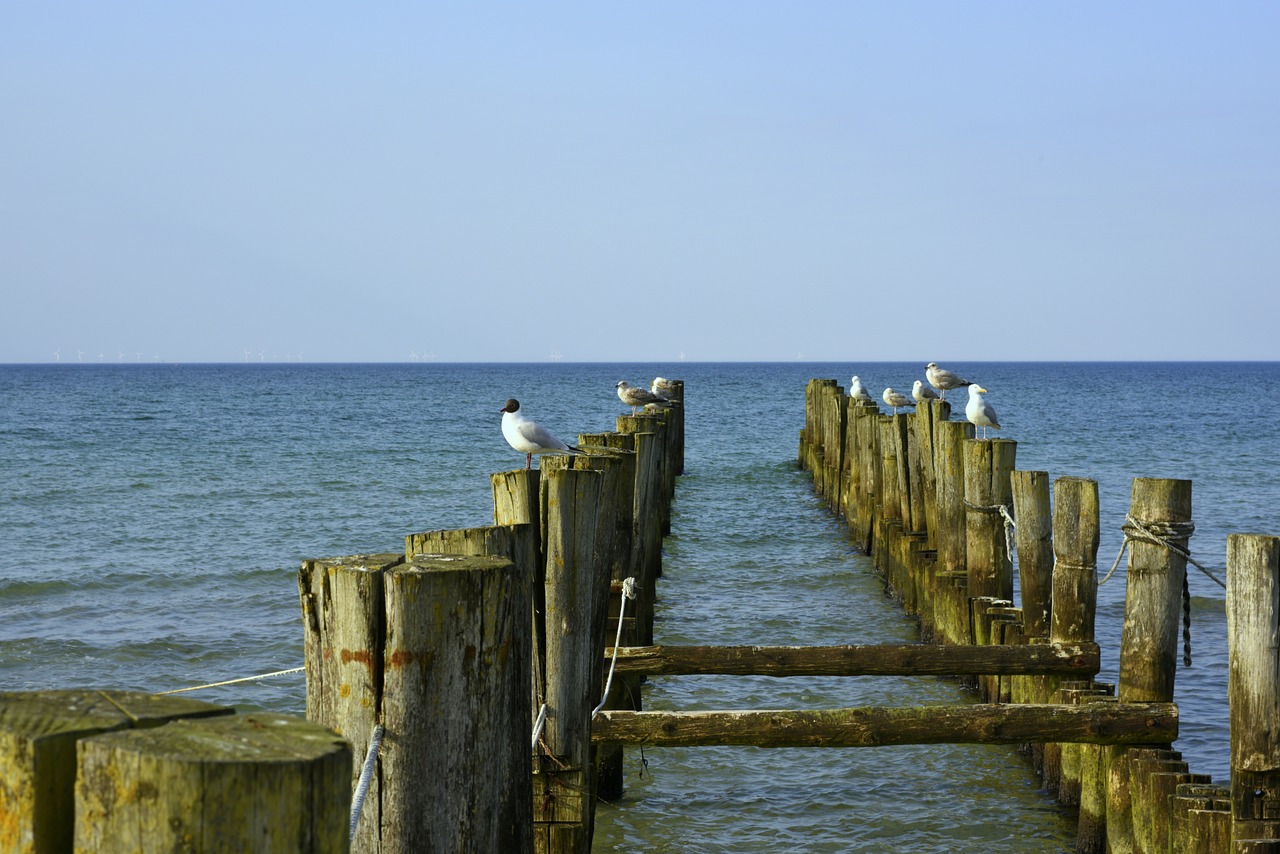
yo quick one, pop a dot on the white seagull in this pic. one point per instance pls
(662, 387)
(528, 436)
(979, 412)
(634, 396)
(920, 392)
(858, 392)
(943, 380)
(896, 400)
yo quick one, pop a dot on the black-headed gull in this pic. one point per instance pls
(528, 436)
(633, 396)
(895, 400)
(943, 380)
(978, 411)
(920, 392)
(858, 392)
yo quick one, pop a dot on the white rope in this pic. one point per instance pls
(539, 724)
(628, 592)
(1009, 525)
(366, 774)
(234, 681)
(1150, 536)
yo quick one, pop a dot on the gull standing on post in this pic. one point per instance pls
(943, 380)
(896, 400)
(662, 387)
(528, 436)
(920, 392)
(858, 392)
(979, 412)
(633, 396)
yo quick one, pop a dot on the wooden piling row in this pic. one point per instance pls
(957, 578)
(458, 644)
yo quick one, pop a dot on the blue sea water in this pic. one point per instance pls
(153, 518)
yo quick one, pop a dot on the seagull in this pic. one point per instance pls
(528, 436)
(943, 380)
(920, 392)
(662, 387)
(633, 396)
(978, 411)
(857, 392)
(895, 400)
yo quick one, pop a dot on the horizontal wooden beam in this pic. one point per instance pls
(1091, 723)
(1078, 659)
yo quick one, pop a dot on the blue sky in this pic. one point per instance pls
(632, 182)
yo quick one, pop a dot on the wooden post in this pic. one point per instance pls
(38, 735)
(1075, 549)
(950, 534)
(988, 464)
(646, 540)
(1035, 549)
(1153, 595)
(927, 418)
(1075, 597)
(613, 560)
(455, 761)
(438, 651)
(577, 602)
(344, 617)
(515, 499)
(255, 783)
(1253, 635)
(861, 513)
(1149, 639)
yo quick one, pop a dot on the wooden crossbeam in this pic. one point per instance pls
(1075, 659)
(1092, 723)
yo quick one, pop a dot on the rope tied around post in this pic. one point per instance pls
(1009, 525)
(628, 592)
(366, 774)
(1163, 534)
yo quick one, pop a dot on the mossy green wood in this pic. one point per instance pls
(249, 783)
(38, 735)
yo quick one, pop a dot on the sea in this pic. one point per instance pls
(153, 518)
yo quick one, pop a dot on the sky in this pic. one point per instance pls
(614, 182)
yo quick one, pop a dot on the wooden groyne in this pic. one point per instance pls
(942, 514)
(472, 690)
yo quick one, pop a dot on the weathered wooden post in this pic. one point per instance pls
(577, 604)
(455, 704)
(988, 464)
(888, 517)
(860, 509)
(438, 652)
(951, 616)
(255, 783)
(344, 624)
(38, 735)
(646, 541)
(1075, 591)
(613, 561)
(1149, 639)
(1253, 635)
(1034, 537)
(928, 416)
